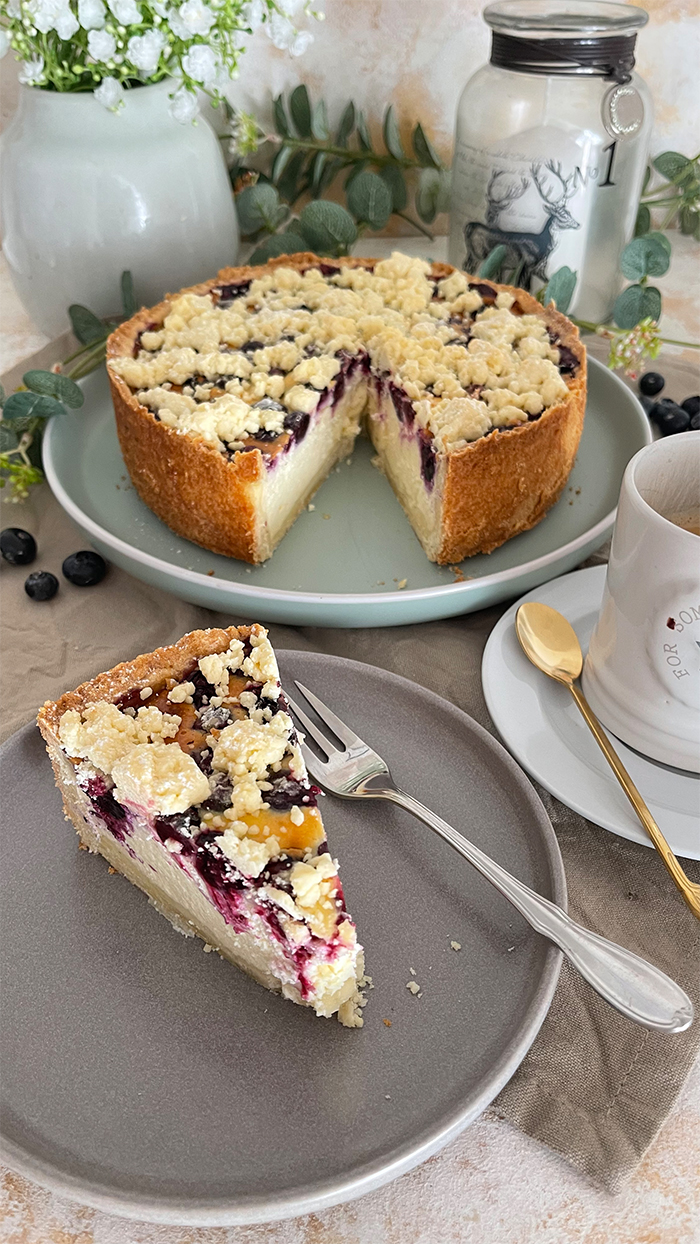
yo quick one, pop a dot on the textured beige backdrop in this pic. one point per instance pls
(418, 54)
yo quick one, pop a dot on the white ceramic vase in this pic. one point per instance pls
(87, 193)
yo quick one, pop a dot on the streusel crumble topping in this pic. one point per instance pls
(243, 364)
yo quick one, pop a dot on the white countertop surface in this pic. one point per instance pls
(493, 1185)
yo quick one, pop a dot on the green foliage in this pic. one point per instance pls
(560, 288)
(54, 385)
(491, 267)
(86, 325)
(645, 256)
(46, 394)
(327, 227)
(379, 179)
(637, 302)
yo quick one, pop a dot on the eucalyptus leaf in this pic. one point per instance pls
(34, 405)
(8, 437)
(433, 194)
(257, 207)
(689, 221)
(288, 184)
(392, 137)
(50, 385)
(369, 200)
(346, 127)
(317, 172)
(357, 168)
(423, 149)
(327, 227)
(560, 288)
(671, 164)
(636, 303)
(278, 244)
(396, 181)
(2, 397)
(86, 326)
(319, 122)
(129, 302)
(300, 108)
(662, 240)
(363, 132)
(330, 172)
(491, 267)
(642, 257)
(280, 162)
(280, 115)
(643, 221)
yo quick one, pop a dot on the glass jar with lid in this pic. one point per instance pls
(551, 147)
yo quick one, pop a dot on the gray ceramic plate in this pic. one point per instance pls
(341, 564)
(151, 1080)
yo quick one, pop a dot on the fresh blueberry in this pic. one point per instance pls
(41, 585)
(650, 383)
(18, 547)
(659, 408)
(695, 423)
(673, 420)
(85, 568)
(692, 405)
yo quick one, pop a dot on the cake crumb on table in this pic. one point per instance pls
(412, 971)
(401, 584)
(413, 986)
(387, 1022)
(311, 508)
(456, 945)
(326, 515)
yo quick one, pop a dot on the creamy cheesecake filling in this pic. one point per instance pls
(203, 781)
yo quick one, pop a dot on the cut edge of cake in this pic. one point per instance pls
(254, 879)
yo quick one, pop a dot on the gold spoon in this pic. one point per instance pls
(550, 642)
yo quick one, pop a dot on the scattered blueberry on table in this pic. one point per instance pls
(41, 585)
(651, 383)
(85, 568)
(670, 417)
(18, 547)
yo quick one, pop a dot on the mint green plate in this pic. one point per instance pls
(341, 564)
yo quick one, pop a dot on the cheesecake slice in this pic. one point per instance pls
(184, 770)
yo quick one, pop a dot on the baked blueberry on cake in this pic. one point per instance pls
(234, 399)
(183, 769)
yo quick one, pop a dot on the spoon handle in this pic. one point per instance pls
(689, 891)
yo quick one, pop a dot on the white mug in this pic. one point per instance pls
(642, 672)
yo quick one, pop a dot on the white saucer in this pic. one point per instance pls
(542, 727)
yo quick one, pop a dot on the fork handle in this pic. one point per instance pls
(633, 986)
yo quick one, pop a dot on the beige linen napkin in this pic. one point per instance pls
(594, 1087)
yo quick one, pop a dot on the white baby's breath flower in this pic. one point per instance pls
(127, 12)
(110, 93)
(31, 71)
(290, 7)
(14, 9)
(91, 14)
(144, 50)
(4, 43)
(202, 65)
(194, 17)
(184, 105)
(253, 13)
(101, 45)
(300, 43)
(159, 7)
(280, 31)
(66, 22)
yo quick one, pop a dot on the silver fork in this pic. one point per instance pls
(633, 986)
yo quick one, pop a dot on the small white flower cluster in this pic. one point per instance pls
(117, 41)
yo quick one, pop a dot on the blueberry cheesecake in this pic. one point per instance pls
(183, 769)
(234, 399)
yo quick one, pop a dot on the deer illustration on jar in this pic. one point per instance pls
(526, 253)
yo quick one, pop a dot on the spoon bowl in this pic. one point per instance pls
(549, 641)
